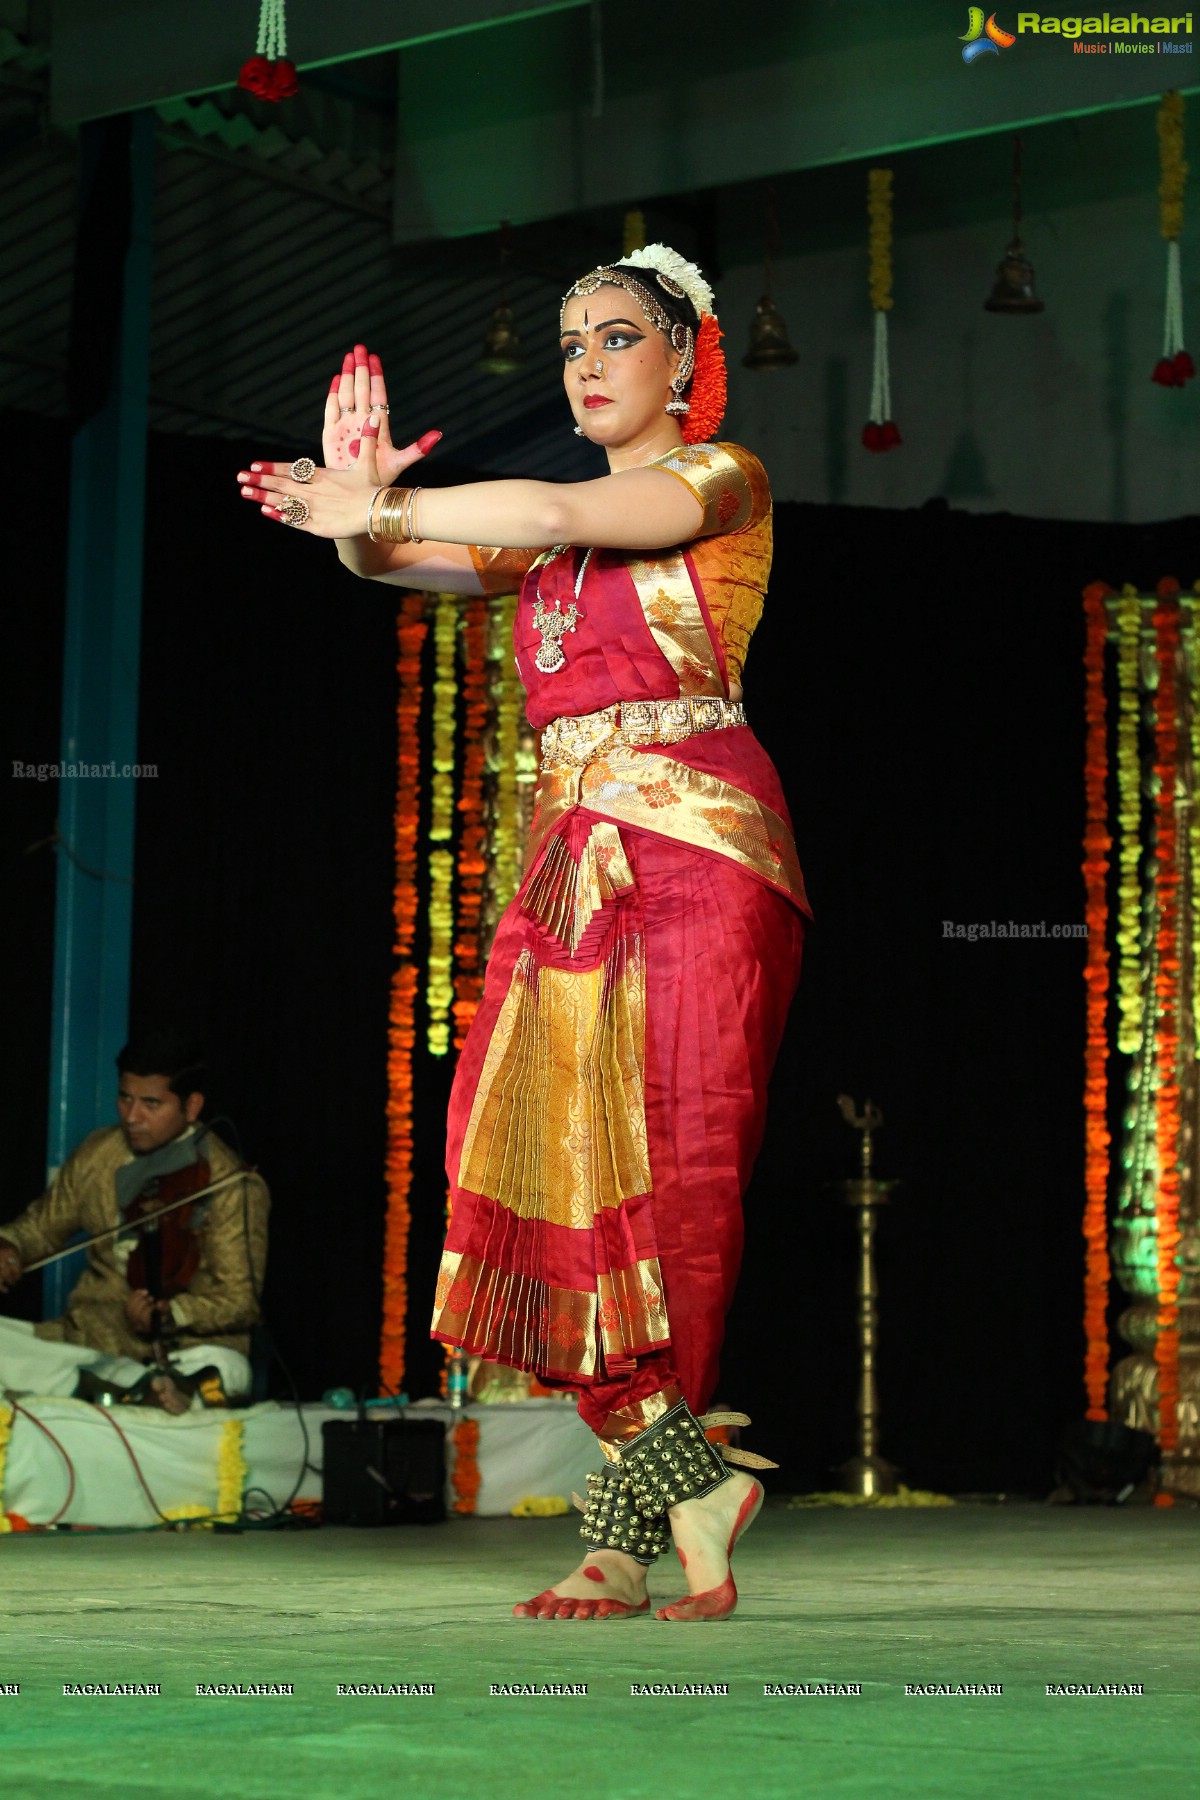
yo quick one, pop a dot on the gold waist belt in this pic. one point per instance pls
(573, 742)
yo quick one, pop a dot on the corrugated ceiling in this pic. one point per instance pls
(272, 254)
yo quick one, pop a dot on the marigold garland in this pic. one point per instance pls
(708, 393)
(231, 1471)
(507, 699)
(465, 1478)
(439, 985)
(1096, 846)
(1167, 997)
(880, 432)
(1175, 366)
(1194, 813)
(6, 1419)
(472, 843)
(411, 631)
(1129, 816)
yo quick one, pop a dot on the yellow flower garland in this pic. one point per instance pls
(506, 826)
(439, 988)
(231, 1471)
(1194, 812)
(1129, 818)
(879, 211)
(6, 1419)
(1172, 169)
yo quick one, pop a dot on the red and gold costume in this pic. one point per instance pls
(610, 1099)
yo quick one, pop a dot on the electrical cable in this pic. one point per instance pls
(34, 1420)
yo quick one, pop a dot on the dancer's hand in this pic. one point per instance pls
(332, 503)
(358, 391)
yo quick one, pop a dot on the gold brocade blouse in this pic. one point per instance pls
(731, 552)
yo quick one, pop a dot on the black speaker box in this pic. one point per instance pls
(384, 1472)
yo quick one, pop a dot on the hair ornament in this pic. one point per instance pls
(675, 274)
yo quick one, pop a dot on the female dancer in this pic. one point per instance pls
(609, 1100)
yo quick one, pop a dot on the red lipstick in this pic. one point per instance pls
(596, 400)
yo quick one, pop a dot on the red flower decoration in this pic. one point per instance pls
(708, 390)
(1185, 368)
(872, 437)
(255, 76)
(1166, 374)
(285, 81)
(891, 435)
(269, 80)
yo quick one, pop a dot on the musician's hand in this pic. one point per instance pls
(352, 395)
(10, 1265)
(141, 1312)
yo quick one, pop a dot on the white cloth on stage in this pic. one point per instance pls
(34, 1365)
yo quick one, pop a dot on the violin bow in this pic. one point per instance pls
(98, 1237)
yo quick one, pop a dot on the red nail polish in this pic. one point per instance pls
(360, 353)
(348, 363)
(335, 384)
(376, 366)
(426, 442)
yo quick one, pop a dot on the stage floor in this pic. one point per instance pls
(1021, 1595)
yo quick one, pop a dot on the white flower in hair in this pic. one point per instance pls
(676, 268)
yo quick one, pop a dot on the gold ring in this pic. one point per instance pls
(294, 510)
(303, 469)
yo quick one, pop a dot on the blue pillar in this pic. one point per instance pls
(109, 378)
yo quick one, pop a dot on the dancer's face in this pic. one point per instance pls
(617, 367)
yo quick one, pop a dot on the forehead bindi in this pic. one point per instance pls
(581, 316)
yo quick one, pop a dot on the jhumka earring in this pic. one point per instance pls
(681, 340)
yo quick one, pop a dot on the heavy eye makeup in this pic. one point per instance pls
(574, 348)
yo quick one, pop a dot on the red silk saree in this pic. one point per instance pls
(610, 1098)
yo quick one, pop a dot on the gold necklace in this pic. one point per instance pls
(553, 623)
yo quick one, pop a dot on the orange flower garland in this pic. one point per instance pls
(709, 388)
(1167, 996)
(465, 1477)
(472, 860)
(1096, 846)
(411, 630)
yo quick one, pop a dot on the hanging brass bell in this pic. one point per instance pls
(501, 345)
(1013, 290)
(769, 346)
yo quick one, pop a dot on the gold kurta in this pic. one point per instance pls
(219, 1307)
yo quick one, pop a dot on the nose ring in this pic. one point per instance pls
(599, 366)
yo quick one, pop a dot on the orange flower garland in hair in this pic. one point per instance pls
(1167, 996)
(411, 630)
(472, 844)
(709, 389)
(1096, 846)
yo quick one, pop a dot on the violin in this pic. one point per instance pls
(166, 1255)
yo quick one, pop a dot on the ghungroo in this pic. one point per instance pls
(612, 1519)
(672, 1460)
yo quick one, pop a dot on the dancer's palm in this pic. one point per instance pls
(353, 395)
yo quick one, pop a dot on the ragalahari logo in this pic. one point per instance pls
(984, 39)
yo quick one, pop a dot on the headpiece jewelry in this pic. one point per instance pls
(701, 360)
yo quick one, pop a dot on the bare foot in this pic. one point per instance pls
(167, 1395)
(705, 1532)
(606, 1585)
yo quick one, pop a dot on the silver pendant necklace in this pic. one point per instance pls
(552, 623)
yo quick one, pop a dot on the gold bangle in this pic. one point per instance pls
(414, 537)
(391, 525)
(371, 511)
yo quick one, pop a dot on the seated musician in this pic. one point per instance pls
(158, 1315)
